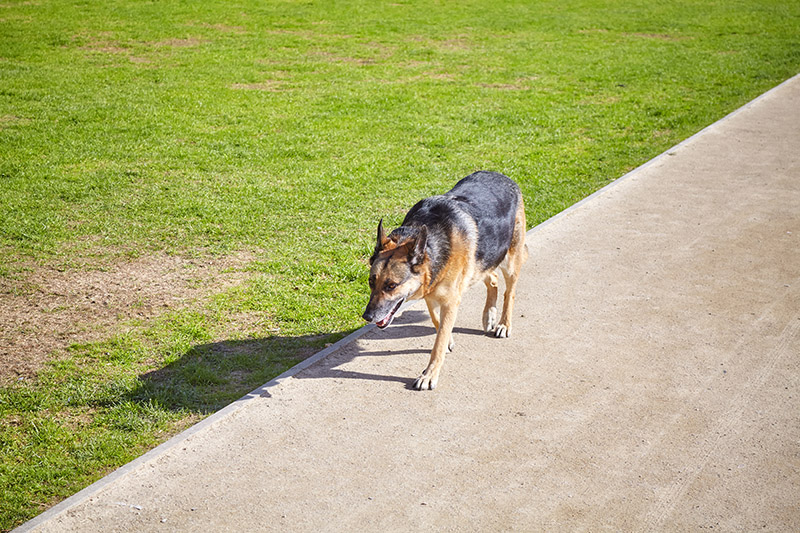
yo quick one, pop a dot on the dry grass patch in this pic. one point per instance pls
(44, 310)
(349, 60)
(225, 28)
(12, 120)
(185, 42)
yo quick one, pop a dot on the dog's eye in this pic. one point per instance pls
(390, 286)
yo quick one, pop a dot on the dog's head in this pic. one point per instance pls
(397, 272)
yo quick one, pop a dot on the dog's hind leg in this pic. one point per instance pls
(430, 376)
(490, 309)
(433, 311)
(503, 328)
(517, 254)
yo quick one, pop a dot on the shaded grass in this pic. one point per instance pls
(291, 127)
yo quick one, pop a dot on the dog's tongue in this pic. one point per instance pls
(385, 321)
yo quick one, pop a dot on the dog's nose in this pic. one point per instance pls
(368, 315)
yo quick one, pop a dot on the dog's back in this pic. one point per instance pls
(482, 207)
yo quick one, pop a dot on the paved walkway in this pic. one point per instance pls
(652, 382)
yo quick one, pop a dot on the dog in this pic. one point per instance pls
(445, 243)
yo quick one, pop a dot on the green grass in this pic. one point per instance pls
(129, 128)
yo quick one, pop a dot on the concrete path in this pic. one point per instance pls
(652, 382)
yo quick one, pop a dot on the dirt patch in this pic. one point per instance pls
(439, 76)
(20, 4)
(457, 43)
(104, 43)
(105, 47)
(426, 76)
(45, 310)
(12, 120)
(180, 43)
(454, 43)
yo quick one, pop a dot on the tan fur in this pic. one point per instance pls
(517, 254)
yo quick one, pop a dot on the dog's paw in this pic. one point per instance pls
(490, 319)
(502, 332)
(428, 380)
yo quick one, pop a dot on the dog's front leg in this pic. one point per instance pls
(430, 376)
(433, 311)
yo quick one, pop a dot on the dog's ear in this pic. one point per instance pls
(381, 237)
(416, 254)
(380, 244)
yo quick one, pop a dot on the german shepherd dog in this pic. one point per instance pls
(445, 243)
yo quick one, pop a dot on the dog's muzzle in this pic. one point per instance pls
(370, 315)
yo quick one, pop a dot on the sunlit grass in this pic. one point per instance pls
(128, 128)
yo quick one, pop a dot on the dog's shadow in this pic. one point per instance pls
(209, 376)
(415, 323)
(410, 325)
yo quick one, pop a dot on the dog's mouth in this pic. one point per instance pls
(385, 321)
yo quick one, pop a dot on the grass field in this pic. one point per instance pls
(279, 133)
